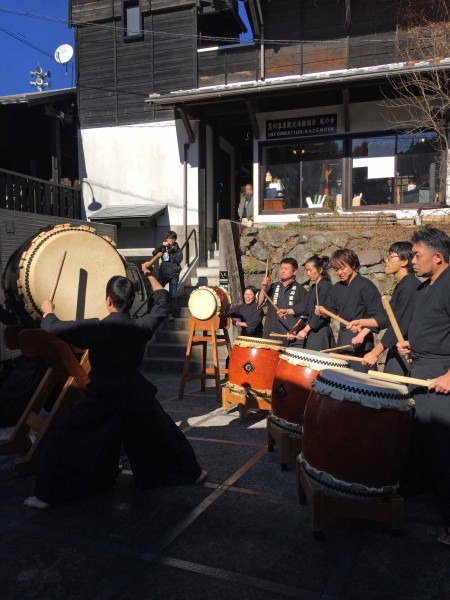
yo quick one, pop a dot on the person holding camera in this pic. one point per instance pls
(170, 267)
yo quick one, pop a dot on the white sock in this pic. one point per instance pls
(33, 502)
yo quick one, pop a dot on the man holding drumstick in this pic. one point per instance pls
(282, 297)
(82, 450)
(429, 347)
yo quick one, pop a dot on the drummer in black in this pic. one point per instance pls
(316, 334)
(82, 449)
(284, 294)
(248, 315)
(398, 264)
(354, 297)
(429, 346)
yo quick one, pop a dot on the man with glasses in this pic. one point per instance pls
(429, 346)
(398, 264)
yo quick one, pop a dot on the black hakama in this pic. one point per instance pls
(360, 299)
(321, 335)
(284, 297)
(82, 450)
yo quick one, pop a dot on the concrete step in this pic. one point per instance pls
(198, 281)
(213, 263)
(171, 336)
(207, 272)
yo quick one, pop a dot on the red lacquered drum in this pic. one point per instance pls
(91, 260)
(208, 301)
(355, 433)
(252, 366)
(292, 384)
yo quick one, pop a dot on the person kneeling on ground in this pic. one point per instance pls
(82, 450)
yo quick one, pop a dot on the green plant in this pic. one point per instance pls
(252, 266)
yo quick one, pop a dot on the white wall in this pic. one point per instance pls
(139, 164)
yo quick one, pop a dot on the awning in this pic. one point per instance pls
(121, 212)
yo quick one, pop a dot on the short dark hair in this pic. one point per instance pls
(345, 255)
(434, 239)
(172, 235)
(252, 288)
(122, 292)
(404, 252)
(322, 263)
(289, 261)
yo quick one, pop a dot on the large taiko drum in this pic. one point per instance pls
(208, 301)
(91, 260)
(356, 433)
(252, 366)
(292, 385)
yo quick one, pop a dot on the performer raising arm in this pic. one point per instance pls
(82, 450)
(354, 297)
(316, 334)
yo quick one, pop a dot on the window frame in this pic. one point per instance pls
(126, 5)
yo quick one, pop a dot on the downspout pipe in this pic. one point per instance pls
(185, 198)
(262, 66)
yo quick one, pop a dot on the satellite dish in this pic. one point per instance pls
(63, 54)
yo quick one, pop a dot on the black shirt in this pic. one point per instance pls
(402, 304)
(284, 297)
(250, 314)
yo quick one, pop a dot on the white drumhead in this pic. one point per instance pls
(313, 359)
(361, 388)
(203, 303)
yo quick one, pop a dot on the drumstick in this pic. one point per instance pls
(267, 268)
(398, 378)
(392, 319)
(317, 293)
(346, 357)
(157, 256)
(337, 348)
(333, 316)
(272, 303)
(278, 335)
(57, 276)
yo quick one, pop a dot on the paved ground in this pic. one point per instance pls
(241, 535)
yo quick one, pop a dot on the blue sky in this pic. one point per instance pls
(18, 58)
(20, 32)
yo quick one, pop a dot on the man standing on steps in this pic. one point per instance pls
(170, 267)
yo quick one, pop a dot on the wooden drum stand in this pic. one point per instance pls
(68, 369)
(209, 327)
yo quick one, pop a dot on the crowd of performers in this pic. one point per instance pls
(82, 450)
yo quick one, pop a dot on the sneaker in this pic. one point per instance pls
(171, 318)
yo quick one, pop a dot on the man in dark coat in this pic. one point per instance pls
(428, 345)
(170, 267)
(82, 449)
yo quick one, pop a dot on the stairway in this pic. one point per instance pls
(167, 350)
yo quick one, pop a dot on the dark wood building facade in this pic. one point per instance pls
(298, 110)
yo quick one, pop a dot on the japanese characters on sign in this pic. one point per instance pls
(301, 126)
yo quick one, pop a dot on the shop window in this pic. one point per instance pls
(417, 168)
(394, 169)
(303, 175)
(373, 170)
(132, 21)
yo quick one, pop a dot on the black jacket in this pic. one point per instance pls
(171, 267)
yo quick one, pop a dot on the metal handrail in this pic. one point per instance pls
(192, 233)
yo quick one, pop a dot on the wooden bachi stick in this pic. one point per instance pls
(392, 319)
(267, 268)
(337, 348)
(57, 276)
(283, 335)
(346, 357)
(150, 262)
(398, 378)
(271, 302)
(333, 316)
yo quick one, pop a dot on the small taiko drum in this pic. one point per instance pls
(208, 301)
(90, 261)
(356, 433)
(292, 385)
(252, 366)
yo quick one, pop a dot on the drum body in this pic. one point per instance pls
(292, 384)
(252, 366)
(356, 433)
(90, 262)
(208, 301)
